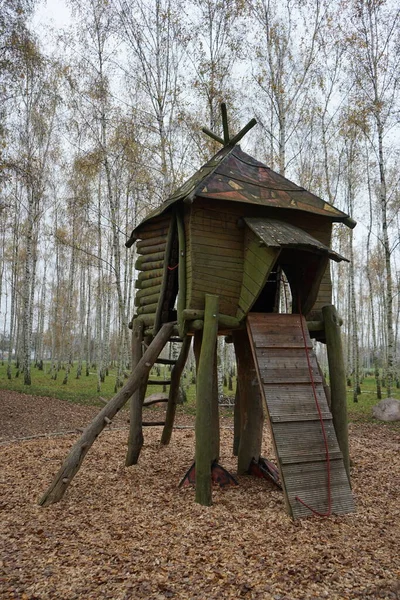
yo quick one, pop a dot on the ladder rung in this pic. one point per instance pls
(153, 423)
(158, 382)
(166, 361)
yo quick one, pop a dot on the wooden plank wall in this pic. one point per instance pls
(321, 229)
(214, 255)
(151, 246)
(258, 262)
(215, 252)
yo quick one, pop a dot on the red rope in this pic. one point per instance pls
(328, 462)
(173, 268)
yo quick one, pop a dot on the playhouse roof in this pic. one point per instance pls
(233, 175)
(278, 234)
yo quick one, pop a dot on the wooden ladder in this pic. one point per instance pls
(164, 382)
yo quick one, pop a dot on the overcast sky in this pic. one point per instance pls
(51, 14)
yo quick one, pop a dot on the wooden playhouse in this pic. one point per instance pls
(211, 262)
(226, 237)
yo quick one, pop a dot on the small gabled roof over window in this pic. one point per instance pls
(277, 234)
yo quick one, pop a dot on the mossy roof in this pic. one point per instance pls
(235, 176)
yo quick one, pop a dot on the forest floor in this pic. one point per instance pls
(131, 533)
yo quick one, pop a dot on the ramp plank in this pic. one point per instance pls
(278, 347)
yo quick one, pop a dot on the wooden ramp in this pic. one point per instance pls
(278, 346)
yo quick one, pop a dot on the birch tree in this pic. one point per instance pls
(351, 135)
(98, 36)
(374, 47)
(155, 37)
(15, 42)
(38, 102)
(368, 268)
(216, 33)
(286, 46)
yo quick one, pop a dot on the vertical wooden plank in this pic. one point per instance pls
(181, 303)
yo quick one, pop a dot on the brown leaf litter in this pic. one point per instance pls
(130, 533)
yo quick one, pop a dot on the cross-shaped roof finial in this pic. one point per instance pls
(227, 140)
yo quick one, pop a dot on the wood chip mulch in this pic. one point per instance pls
(130, 533)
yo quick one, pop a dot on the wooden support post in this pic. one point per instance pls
(174, 390)
(215, 445)
(205, 384)
(251, 410)
(135, 440)
(337, 378)
(215, 437)
(78, 452)
(236, 422)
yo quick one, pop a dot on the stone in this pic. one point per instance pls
(387, 410)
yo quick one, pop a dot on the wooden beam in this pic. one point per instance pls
(150, 402)
(315, 325)
(242, 132)
(236, 422)
(153, 274)
(150, 245)
(141, 301)
(213, 136)
(147, 309)
(78, 452)
(174, 390)
(147, 320)
(204, 442)
(225, 125)
(150, 267)
(250, 403)
(225, 321)
(214, 432)
(193, 326)
(337, 380)
(151, 282)
(350, 222)
(135, 439)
